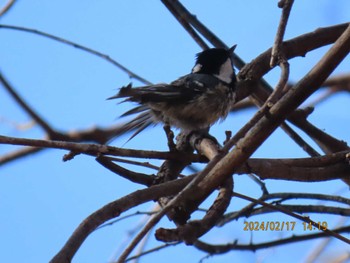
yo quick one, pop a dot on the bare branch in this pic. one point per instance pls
(143, 164)
(185, 24)
(304, 209)
(152, 250)
(298, 46)
(31, 112)
(81, 47)
(96, 149)
(297, 216)
(276, 53)
(139, 178)
(125, 217)
(192, 230)
(220, 249)
(7, 7)
(316, 169)
(20, 153)
(247, 210)
(113, 210)
(219, 170)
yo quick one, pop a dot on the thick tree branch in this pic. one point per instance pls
(185, 25)
(316, 169)
(267, 124)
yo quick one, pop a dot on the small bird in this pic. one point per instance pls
(193, 102)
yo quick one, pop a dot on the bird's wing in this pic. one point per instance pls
(182, 90)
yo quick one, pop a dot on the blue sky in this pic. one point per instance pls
(43, 199)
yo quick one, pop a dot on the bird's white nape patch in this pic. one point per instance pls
(197, 68)
(226, 72)
(198, 83)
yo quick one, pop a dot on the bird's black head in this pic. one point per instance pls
(215, 61)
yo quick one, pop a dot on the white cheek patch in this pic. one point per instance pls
(197, 68)
(226, 72)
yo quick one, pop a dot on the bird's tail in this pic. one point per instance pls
(143, 120)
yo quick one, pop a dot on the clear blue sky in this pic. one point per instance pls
(43, 199)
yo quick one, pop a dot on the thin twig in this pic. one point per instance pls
(279, 90)
(152, 250)
(125, 217)
(20, 153)
(139, 178)
(220, 249)
(247, 210)
(316, 252)
(304, 209)
(81, 47)
(32, 113)
(143, 164)
(276, 52)
(7, 7)
(288, 212)
(114, 209)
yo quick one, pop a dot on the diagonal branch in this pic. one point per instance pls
(7, 7)
(132, 176)
(220, 249)
(267, 124)
(112, 210)
(32, 113)
(81, 47)
(185, 25)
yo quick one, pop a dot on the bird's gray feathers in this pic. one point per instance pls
(192, 102)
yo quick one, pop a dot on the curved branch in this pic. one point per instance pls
(192, 230)
(113, 210)
(135, 177)
(295, 47)
(78, 46)
(7, 7)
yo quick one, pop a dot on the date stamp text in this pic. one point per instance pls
(282, 226)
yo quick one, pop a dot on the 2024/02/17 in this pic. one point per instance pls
(269, 225)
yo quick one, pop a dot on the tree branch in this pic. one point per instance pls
(113, 210)
(81, 47)
(96, 149)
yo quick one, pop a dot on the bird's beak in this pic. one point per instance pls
(231, 49)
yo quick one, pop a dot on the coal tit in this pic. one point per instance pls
(193, 102)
